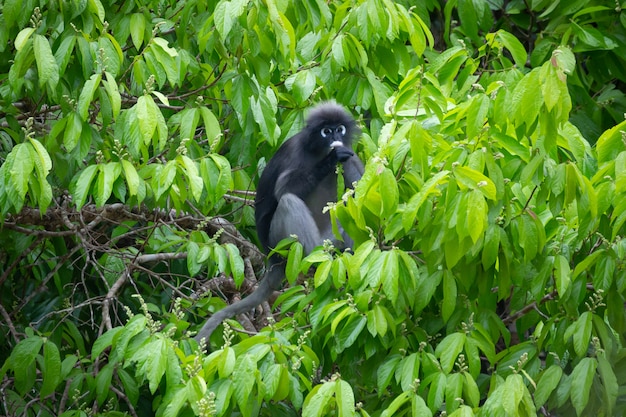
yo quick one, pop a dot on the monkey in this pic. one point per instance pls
(295, 186)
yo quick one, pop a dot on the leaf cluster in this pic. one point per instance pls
(487, 276)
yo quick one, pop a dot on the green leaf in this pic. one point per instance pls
(132, 178)
(82, 185)
(193, 264)
(47, 67)
(318, 400)
(582, 334)
(610, 143)
(137, 29)
(109, 172)
(611, 387)
(391, 278)
(322, 272)
(21, 165)
(448, 305)
(23, 37)
(235, 262)
(620, 171)
(73, 130)
(548, 382)
(426, 286)
(470, 390)
(166, 59)
(399, 401)
(337, 50)
(515, 47)
(476, 217)
(216, 173)
(112, 55)
(11, 11)
(104, 341)
(110, 85)
(51, 369)
(454, 390)
(43, 165)
(414, 204)
(152, 361)
(193, 178)
(212, 127)
(244, 378)
(410, 371)
(477, 115)
(475, 180)
(96, 7)
(147, 111)
(582, 378)
(448, 350)
(491, 246)
(388, 193)
(22, 360)
(86, 95)
(437, 389)
(162, 182)
(386, 371)
(226, 363)
(377, 321)
(344, 398)
(103, 382)
(64, 52)
(351, 331)
(302, 84)
(562, 274)
(527, 99)
(294, 260)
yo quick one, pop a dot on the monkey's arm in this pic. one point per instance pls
(271, 282)
(302, 182)
(352, 170)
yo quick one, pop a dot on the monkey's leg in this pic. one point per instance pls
(293, 217)
(272, 280)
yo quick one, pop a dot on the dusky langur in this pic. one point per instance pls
(296, 185)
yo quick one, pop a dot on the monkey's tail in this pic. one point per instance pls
(271, 282)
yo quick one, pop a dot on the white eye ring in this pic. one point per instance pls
(326, 131)
(341, 129)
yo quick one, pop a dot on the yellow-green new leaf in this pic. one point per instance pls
(344, 396)
(414, 204)
(86, 95)
(109, 172)
(137, 29)
(82, 185)
(132, 178)
(582, 378)
(47, 67)
(22, 38)
(146, 110)
(110, 85)
(475, 180)
(476, 214)
(43, 165)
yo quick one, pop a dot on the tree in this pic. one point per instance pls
(488, 273)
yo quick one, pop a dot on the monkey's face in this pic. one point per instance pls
(333, 136)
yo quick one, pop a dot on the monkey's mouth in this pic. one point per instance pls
(336, 144)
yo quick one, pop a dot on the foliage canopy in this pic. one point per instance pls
(488, 273)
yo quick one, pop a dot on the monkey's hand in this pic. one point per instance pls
(343, 153)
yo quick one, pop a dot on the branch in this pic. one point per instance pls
(532, 306)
